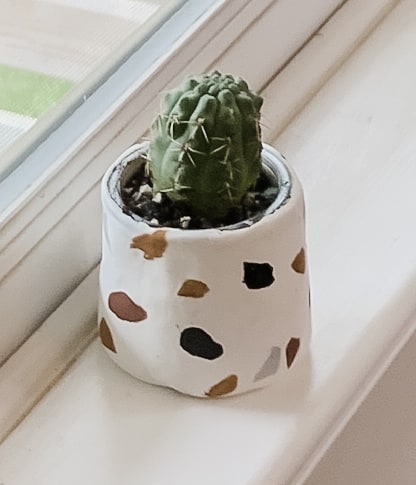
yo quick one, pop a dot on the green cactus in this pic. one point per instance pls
(206, 145)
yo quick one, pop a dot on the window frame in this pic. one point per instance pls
(50, 233)
(43, 358)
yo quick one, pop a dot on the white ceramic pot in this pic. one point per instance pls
(209, 312)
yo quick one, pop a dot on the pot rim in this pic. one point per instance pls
(273, 164)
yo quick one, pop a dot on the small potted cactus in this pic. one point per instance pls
(204, 283)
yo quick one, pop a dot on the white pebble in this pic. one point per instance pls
(145, 189)
(157, 198)
(184, 222)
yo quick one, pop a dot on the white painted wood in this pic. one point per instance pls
(50, 273)
(67, 187)
(67, 226)
(354, 149)
(70, 185)
(378, 446)
(305, 74)
(43, 358)
(56, 259)
(276, 37)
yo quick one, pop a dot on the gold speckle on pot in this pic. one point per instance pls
(298, 263)
(193, 289)
(125, 308)
(227, 385)
(106, 337)
(153, 245)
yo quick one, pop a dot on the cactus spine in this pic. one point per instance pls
(205, 147)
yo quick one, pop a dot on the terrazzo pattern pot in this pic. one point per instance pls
(209, 312)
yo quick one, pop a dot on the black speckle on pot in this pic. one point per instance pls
(258, 275)
(199, 343)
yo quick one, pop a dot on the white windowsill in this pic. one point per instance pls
(353, 148)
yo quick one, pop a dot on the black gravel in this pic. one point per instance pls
(159, 210)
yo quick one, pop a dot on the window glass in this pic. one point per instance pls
(54, 52)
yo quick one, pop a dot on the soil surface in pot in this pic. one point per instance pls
(158, 210)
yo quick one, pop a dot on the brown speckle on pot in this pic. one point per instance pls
(125, 308)
(292, 350)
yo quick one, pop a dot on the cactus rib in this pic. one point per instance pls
(206, 144)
